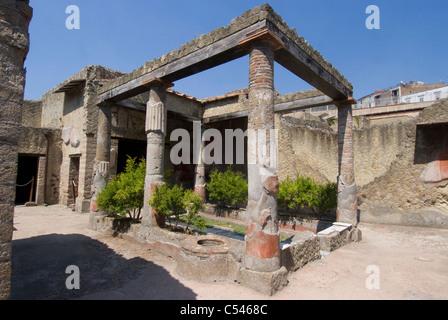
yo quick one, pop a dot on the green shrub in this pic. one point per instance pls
(193, 204)
(304, 192)
(124, 194)
(327, 197)
(297, 194)
(175, 201)
(228, 188)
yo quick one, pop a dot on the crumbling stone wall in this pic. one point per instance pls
(14, 45)
(71, 116)
(390, 161)
(307, 147)
(234, 103)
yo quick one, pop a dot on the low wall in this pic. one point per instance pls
(298, 222)
(224, 263)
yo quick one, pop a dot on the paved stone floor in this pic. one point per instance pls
(407, 263)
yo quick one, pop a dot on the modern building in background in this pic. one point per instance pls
(411, 92)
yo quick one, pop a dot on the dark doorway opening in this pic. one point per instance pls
(431, 140)
(27, 170)
(132, 148)
(73, 179)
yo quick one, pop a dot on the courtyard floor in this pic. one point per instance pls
(408, 263)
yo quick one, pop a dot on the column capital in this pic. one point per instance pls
(157, 82)
(105, 104)
(344, 102)
(264, 35)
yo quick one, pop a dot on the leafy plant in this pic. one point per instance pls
(175, 201)
(327, 197)
(228, 188)
(331, 121)
(304, 192)
(124, 194)
(193, 204)
(297, 194)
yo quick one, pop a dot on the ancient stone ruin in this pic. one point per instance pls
(263, 35)
(77, 137)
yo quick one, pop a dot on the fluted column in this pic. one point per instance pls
(156, 122)
(101, 163)
(198, 147)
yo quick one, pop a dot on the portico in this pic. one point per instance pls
(263, 35)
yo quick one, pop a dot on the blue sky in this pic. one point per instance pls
(411, 44)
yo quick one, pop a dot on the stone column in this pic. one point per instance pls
(102, 157)
(262, 245)
(15, 17)
(198, 147)
(156, 121)
(347, 210)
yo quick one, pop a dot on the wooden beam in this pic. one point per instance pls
(131, 105)
(283, 107)
(217, 53)
(226, 116)
(295, 59)
(301, 104)
(291, 56)
(264, 34)
(157, 82)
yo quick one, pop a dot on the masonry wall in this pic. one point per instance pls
(14, 45)
(389, 162)
(71, 119)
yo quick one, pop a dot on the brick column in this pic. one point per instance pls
(102, 157)
(14, 41)
(262, 245)
(347, 210)
(156, 121)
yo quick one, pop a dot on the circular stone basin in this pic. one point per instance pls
(204, 259)
(210, 242)
(205, 245)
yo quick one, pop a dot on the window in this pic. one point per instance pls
(437, 95)
(421, 98)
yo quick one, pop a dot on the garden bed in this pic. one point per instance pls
(304, 220)
(198, 259)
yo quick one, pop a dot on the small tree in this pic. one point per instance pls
(297, 194)
(176, 201)
(304, 192)
(168, 201)
(192, 205)
(327, 197)
(228, 187)
(124, 194)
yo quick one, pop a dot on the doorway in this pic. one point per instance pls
(73, 180)
(26, 183)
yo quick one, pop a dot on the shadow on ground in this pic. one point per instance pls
(39, 265)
